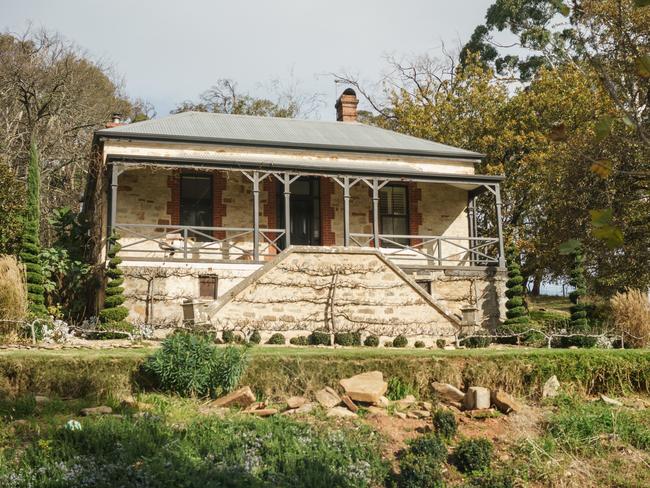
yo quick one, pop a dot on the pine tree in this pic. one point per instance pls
(579, 321)
(113, 315)
(30, 251)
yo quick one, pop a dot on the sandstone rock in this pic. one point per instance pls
(327, 397)
(611, 401)
(400, 415)
(551, 387)
(477, 398)
(349, 403)
(340, 412)
(428, 406)
(296, 401)
(255, 406)
(365, 387)
(41, 399)
(306, 408)
(504, 402)
(242, 397)
(263, 412)
(91, 411)
(447, 392)
(418, 414)
(383, 402)
(405, 402)
(376, 411)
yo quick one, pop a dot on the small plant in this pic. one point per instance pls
(388, 344)
(400, 341)
(113, 316)
(420, 464)
(444, 423)
(347, 338)
(631, 317)
(228, 336)
(299, 341)
(490, 479)
(397, 389)
(371, 341)
(276, 339)
(419, 344)
(190, 365)
(441, 343)
(319, 338)
(255, 337)
(475, 342)
(473, 455)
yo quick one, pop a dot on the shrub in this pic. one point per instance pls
(255, 337)
(419, 344)
(473, 455)
(475, 342)
(228, 336)
(400, 341)
(490, 479)
(371, 341)
(347, 338)
(13, 298)
(319, 338)
(397, 389)
(190, 365)
(299, 341)
(113, 314)
(441, 343)
(276, 339)
(579, 322)
(516, 313)
(420, 464)
(631, 317)
(444, 423)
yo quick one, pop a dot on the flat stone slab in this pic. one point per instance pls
(504, 402)
(327, 397)
(242, 397)
(296, 401)
(447, 392)
(263, 412)
(340, 412)
(347, 401)
(365, 387)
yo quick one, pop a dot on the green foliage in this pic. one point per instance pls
(398, 389)
(228, 336)
(475, 342)
(517, 312)
(579, 321)
(347, 338)
(400, 341)
(190, 365)
(419, 344)
(371, 341)
(277, 339)
(472, 455)
(299, 341)
(319, 338)
(444, 423)
(441, 343)
(255, 337)
(113, 312)
(492, 479)
(421, 463)
(12, 209)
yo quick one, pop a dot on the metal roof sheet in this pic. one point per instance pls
(282, 132)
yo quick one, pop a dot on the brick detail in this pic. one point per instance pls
(327, 236)
(270, 208)
(218, 206)
(371, 215)
(174, 204)
(414, 195)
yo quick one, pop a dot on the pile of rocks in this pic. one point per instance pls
(476, 398)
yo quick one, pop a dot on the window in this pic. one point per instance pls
(208, 286)
(196, 202)
(393, 213)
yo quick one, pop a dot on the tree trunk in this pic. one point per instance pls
(537, 285)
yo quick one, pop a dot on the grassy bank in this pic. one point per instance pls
(277, 371)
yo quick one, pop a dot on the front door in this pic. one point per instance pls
(304, 212)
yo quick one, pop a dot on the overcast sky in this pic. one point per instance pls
(168, 51)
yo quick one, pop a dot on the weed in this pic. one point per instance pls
(398, 389)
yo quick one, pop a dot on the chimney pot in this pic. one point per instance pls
(346, 106)
(116, 119)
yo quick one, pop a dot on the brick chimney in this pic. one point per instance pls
(116, 119)
(346, 106)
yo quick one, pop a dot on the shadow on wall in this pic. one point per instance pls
(490, 306)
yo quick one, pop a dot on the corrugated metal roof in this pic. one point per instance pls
(281, 132)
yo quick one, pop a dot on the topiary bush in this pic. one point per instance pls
(276, 339)
(517, 317)
(475, 342)
(400, 341)
(347, 338)
(228, 336)
(299, 341)
(113, 315)
(371, 341)
(421, 463)
(255, 337)
(419, 344)
(441, 343)
(190, 365)
(319, 338)
(444, 423)
(473, 455)
(579, 322)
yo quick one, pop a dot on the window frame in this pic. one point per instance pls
(406, 216)
(210, 198)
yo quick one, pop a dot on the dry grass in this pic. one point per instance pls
(631, 316)
(13, 296)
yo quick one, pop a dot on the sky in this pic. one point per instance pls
(168, 51)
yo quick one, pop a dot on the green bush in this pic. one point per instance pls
(113, 315)
(579, 321)
(419, 344)
(255, 337)
(299, 341)
(398, 389)
(400, 341)
(347, 338)
(473, 455)
(319, 338)
(444, 423)
(371, 341)
(421, 463)
(490, 479)
(475, 342)
(276, 339)
(190, 365)
(228, 336)
(441, 343)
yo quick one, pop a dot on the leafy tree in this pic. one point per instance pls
(113, 316)
(12, 208)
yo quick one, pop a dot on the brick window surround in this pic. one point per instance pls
(327, 236)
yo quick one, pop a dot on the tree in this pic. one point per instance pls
(113, 315)
(31, 245)
(12, 208)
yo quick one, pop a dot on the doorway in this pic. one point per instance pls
(304, 209)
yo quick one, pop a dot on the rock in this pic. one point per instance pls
(263, 412)
(400, 415)
(91, 411)
(447, 392)
(255, 406)
(327, 397)
(477, 398)
(418, 414)
(551, 387)
(242, 397)
(340, 412)
(428, 406)
(302, 410)
(41, 399)
(376, 411)
(349, 403)
(611, 401)
(296, 401)
(205, 410)
(383, 402)
(405, 402)
(504, 402)
(365, 387)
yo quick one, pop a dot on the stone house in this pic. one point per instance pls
(294, 225)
